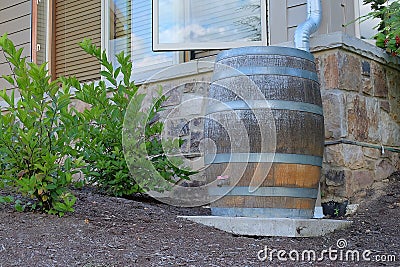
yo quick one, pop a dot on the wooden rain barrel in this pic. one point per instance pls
(288, 82)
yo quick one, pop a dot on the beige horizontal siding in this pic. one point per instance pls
(292, 3)
(25, 53)
(21, 38)
(15, 20)
(5, 4)
(8, 14)
(16, 25)
(285, 15)
(296, 15)
(76, 15)
(76, 20)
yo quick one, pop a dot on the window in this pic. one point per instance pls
(208, 24)
(129, 30)
(126, 25)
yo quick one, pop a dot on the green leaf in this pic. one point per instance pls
(9, 79)
(6, 199)
(51, 187)
(18, 206)
(117, 72)
(109, 77)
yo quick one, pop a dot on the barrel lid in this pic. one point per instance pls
(265, 50)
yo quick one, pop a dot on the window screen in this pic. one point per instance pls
(74, 21)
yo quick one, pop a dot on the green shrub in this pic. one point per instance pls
(37, 131)
(101, 126)
(44, 141)
(388, 36)
(163, 169)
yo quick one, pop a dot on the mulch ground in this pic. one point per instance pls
(109, 231)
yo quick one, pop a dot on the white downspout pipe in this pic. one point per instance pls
(308, 27)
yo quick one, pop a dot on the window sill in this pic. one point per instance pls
(193, 67)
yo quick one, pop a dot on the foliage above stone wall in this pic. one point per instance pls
(388, 36)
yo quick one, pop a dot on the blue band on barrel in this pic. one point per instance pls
(248, 71)
(265, 50)
(263, 212)
(263, 157)
(264, 192)
(265, 104)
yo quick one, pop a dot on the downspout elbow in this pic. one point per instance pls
(308, 27)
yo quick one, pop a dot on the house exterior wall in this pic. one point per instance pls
(74, 21)
(360, 90)
(15, 19)
(285, 15)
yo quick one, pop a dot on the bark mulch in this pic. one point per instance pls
(109, 231)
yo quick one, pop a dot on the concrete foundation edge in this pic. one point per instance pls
(286, 227)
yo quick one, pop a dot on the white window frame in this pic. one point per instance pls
(357, 24)
(105, 26)
(357, 10)
(157, 46)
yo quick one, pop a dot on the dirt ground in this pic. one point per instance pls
(108, 231)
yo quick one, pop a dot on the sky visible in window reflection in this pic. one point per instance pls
(194, 21)
(131, 31)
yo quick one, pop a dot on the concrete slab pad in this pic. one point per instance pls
(249, 226)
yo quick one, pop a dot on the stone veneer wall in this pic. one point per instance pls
(361, 101)
(361, 98)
